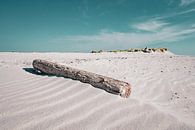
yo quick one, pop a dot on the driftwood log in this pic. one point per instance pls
(108, 84)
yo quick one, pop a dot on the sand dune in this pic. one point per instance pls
(163, 93)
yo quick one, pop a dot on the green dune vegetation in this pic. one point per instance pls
(145, 50)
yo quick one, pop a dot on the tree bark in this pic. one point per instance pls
(108, 84)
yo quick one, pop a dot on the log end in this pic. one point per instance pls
(126, 91)
(36, 62)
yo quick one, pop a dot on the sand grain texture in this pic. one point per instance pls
(163, 93)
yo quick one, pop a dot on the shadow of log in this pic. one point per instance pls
(33, 71)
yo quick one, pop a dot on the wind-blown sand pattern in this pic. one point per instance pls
(163, 93)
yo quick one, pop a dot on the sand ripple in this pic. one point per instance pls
(159, 100)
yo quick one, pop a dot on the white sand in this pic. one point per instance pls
(163, 93)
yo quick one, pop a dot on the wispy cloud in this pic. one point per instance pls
(119, 2)
(176, 14)
(151, 25)
(153, 30)
(163, 33)
(186, 2)
(84, 9)
(185, 12)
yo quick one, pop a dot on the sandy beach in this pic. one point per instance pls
(162, 97)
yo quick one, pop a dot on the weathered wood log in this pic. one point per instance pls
(108, 84)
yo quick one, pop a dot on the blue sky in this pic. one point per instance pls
(84, 25)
